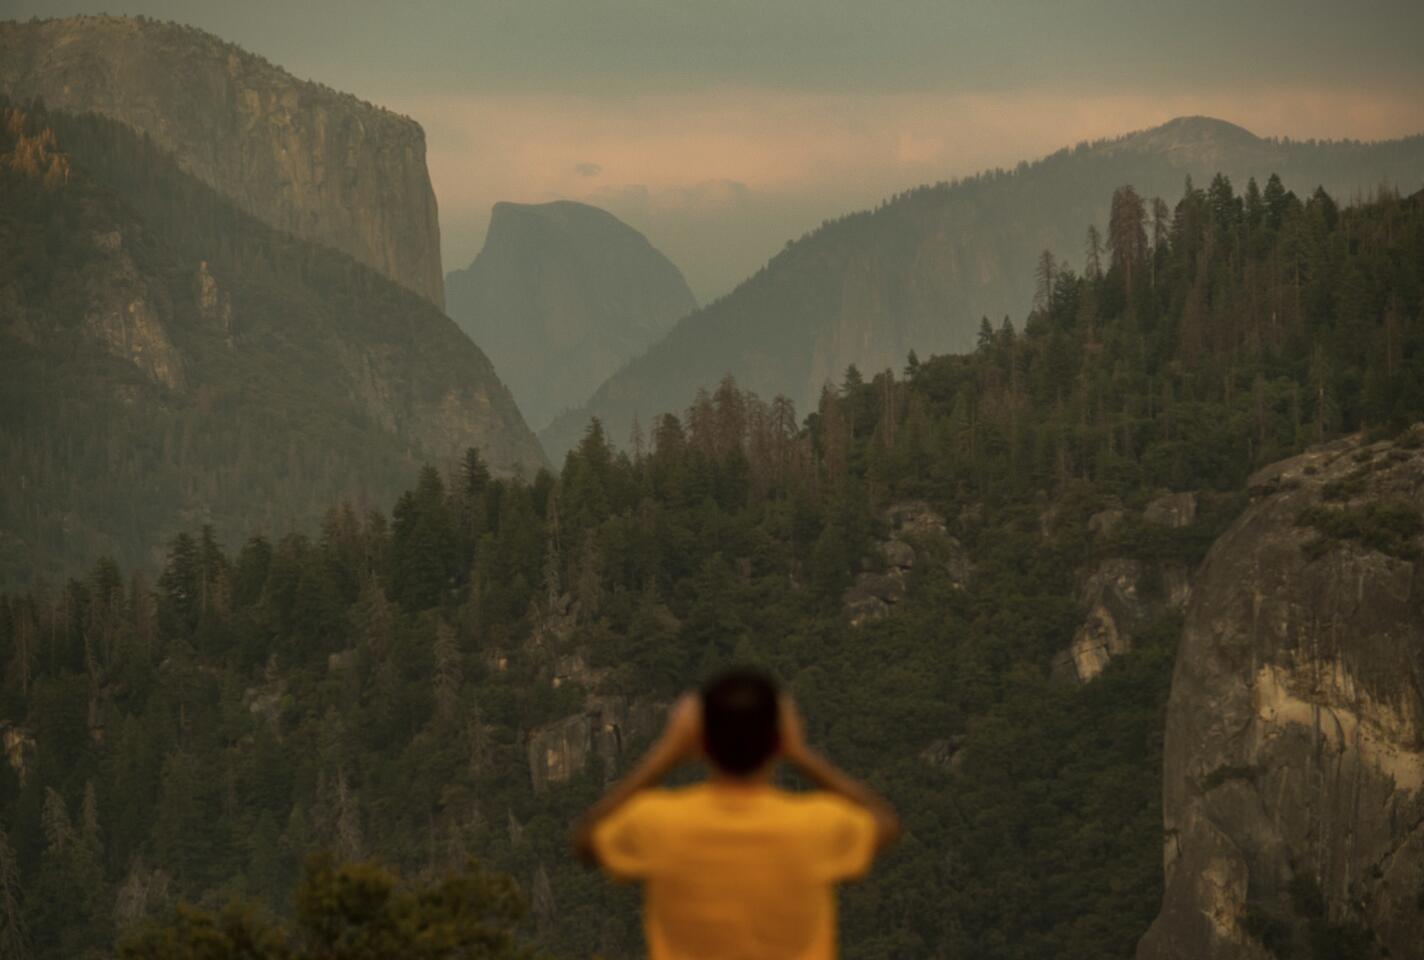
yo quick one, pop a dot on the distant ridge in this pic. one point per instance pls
(921, 270)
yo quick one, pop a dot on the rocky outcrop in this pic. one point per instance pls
(129, 328)
(297, 155)
(911, 524)
(1121, 594)
(1120, 601)
(562, 295)
(1294, 756)
(562, 750)
(19, 744)
(1110, 592)
(1175, 510)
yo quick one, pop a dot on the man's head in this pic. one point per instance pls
(740, 721)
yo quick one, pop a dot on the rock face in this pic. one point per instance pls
(919, 271)
(561, 750)
(1110, 592)
(1294, 758)
(1120, 595)
(297, 155)
(19, 746)
(560, 297)
(558, 751)
(1175, 510)
(911, 524)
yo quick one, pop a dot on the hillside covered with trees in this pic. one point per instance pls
(919, 270)
(375, 689)
(167, 360)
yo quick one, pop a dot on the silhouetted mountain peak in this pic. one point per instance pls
(561, 295)
(566, 222)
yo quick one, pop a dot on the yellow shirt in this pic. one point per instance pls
(737, 873)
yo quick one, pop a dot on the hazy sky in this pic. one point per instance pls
(722, 128)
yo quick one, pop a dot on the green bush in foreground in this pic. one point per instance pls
(354, 911)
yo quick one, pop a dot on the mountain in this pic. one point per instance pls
(561, 295)
(1294, 747)
(970, 577)
(921, 270)
(167, 359)
(297, 155)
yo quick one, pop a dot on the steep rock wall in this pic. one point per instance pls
(1294, 756)
(297, 155)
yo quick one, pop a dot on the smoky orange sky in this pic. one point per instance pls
(722, 129)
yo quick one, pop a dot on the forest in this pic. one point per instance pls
(371, 689)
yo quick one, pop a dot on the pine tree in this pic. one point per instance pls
(14, 938)
(1044, 276)
(1093, 254)
(424, 549)
(1127, 237)
(181, 591)
(1274, 198)
(446, 678)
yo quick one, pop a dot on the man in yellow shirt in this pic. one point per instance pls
(734, 868)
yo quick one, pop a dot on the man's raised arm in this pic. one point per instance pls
(824, 774)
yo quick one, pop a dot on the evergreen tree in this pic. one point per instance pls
(14, 938)
(424, 548)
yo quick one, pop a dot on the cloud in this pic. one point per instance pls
(587, 169)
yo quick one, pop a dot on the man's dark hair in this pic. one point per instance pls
(741, 726)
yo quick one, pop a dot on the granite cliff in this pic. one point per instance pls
(298, 156)
(921, 270)
(561, 295)
(1294, 757)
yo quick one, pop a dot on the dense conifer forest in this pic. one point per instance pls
(372, 689)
